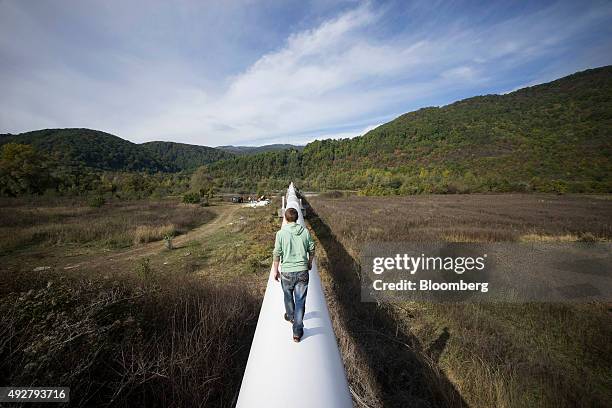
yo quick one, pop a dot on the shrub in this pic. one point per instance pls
(96, 201)
(168, 239)
(150, 233)
(191, 198)
(143, 269)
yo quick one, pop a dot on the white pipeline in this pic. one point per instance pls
(281, 373)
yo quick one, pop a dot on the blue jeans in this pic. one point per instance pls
(295, 285)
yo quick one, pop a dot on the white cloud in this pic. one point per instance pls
(344, 73)
(461, 73)
(329, 76)
(337, 73)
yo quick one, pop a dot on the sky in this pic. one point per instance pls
(249, 72)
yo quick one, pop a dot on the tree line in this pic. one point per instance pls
(553, 137)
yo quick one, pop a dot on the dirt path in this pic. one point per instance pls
(224, 214)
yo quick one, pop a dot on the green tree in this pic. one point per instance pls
(23, 170)
(200, 181)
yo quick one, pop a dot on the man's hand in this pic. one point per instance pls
(275, 271)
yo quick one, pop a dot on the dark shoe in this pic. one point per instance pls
(297, 339)
(288, 319)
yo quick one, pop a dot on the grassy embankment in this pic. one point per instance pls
(125, 323)
(481, 355)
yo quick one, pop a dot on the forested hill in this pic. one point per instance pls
(246, 150)
(180, 156)
(551, 137)
(103, 151)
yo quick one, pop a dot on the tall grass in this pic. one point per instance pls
(114, 225)
(172, 341)
(490, 355)
(143, 332)
(148, 233)
(467, 218)
(385, 366)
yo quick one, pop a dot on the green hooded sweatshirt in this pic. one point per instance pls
(292, 245)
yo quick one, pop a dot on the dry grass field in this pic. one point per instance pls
(86, 302)
(118, 224)
(465, 218)
(91, 298)
(478, 355)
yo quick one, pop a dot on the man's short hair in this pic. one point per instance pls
(291, 214)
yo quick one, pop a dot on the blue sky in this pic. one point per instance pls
(256, 72)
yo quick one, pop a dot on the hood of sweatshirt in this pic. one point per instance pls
(294, 228)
